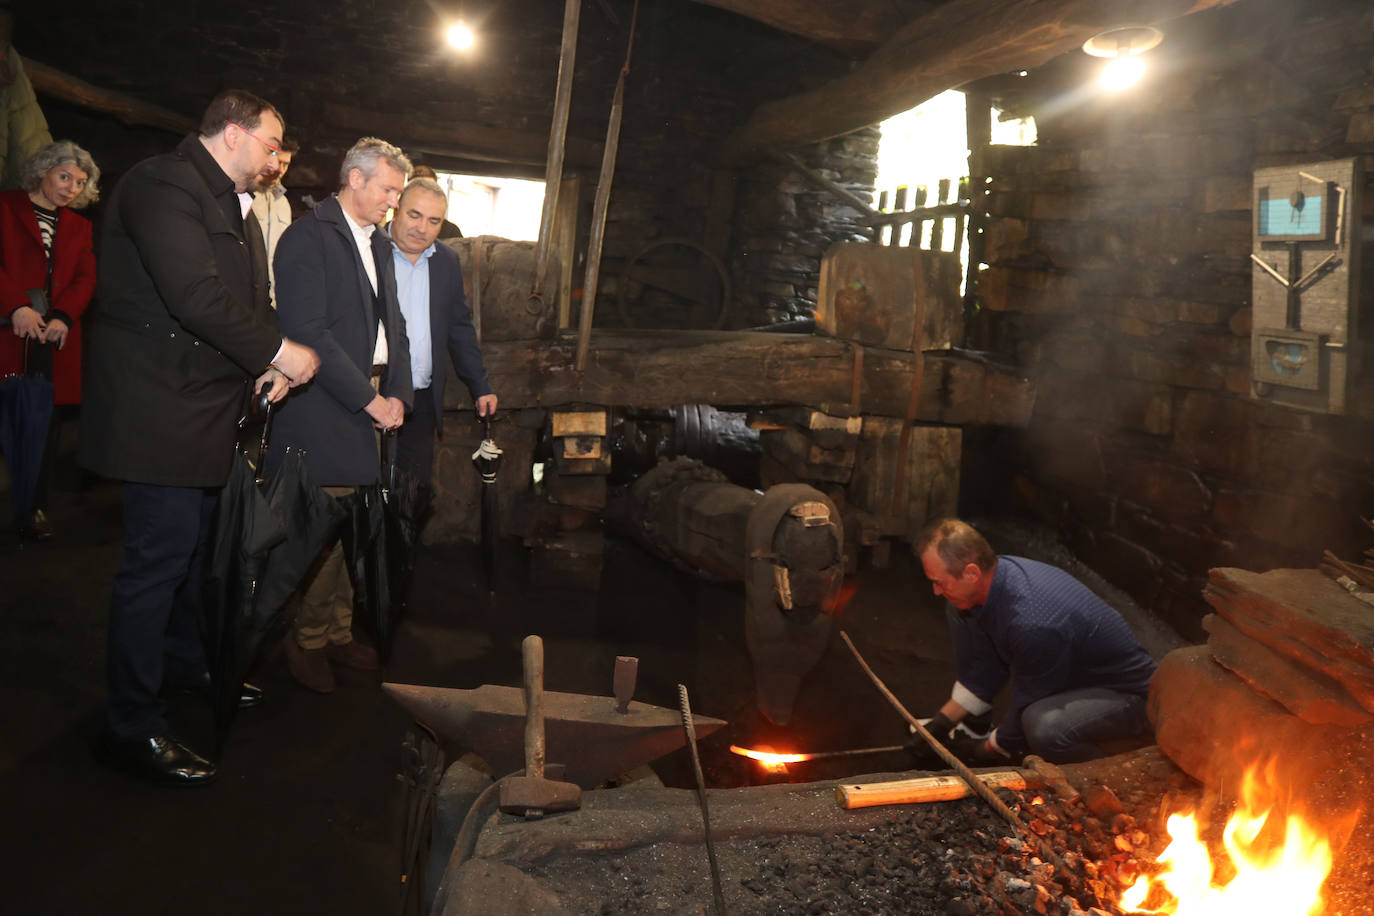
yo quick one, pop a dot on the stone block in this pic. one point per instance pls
(1214, 727)
(1125, 564)
(1164, 486)
(1006, 240)
(1306, 617)
(584, 492)
(1214, 431)
(1066, 452)
(1307, 694)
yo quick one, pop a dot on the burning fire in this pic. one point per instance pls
(1277, 862)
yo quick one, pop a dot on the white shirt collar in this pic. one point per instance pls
(363, 232)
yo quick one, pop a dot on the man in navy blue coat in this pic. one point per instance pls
(334, 290)
(429, 285)
(1078, 677)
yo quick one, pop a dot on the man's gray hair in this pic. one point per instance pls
(365, 155)
(60, 153)
(425, 184)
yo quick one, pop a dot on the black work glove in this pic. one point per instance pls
(923, 756)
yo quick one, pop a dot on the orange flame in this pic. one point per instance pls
(1279, 860)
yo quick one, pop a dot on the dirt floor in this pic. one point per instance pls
(307, 814)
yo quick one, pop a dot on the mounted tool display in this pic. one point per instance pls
(1305, 283)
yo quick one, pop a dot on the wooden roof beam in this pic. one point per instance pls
(961, 41)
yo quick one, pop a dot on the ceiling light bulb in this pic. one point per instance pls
(460, 36)
(1122, 73)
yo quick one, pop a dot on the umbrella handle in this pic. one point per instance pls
(265, 408)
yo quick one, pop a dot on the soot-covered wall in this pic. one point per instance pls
(1120, 276)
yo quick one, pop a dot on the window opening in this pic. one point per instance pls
(486, 205)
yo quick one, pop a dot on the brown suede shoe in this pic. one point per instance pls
(353, 654)
(310, 667)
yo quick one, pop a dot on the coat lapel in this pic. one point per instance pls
(332, 212)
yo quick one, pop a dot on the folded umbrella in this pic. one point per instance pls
(487, 459)
(380, 537)
(25, 412)
(246, 528)
(266, 536)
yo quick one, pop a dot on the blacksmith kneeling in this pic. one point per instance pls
(1078, 675)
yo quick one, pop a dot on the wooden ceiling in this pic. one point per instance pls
(912, 50)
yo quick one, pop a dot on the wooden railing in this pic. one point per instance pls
(903, 227)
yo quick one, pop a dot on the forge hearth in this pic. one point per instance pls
(793, 849)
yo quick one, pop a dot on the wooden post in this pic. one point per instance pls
(558, 135)
(603, 199)
(565, 239)
(978, 124)
(899, 230)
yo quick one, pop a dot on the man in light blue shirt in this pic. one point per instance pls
(429, 285)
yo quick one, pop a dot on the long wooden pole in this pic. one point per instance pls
(603, 199)
(53, 82)
(558, 136)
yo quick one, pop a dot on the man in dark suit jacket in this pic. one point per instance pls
(183, 324)
(333, 295)
(429, 284)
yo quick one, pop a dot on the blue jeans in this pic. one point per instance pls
(1070, 727)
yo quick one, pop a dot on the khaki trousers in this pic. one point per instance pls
(325, 614)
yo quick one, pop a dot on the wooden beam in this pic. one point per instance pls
(460, 139)
(960, 41)
(660, 369)
(840, 191)
(53, 82)
(849, 25)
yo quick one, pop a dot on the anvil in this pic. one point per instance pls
(587, 734)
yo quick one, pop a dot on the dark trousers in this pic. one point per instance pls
(155, 609)
(415, 440)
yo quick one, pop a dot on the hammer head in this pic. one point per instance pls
(531, 796)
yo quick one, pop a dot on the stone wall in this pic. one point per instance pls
(1119, 274)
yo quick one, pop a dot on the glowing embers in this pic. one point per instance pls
(1275, 860)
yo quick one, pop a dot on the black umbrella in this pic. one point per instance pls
(266, 536)
(487, 458)
(25, 412)
(380, 538)
(246, 528)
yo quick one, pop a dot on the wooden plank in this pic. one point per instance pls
(953, 44)
(806, 460)
(923, 789)
(849, 25)
(56, 84)
(466, 139)
(579, 422)
(898, 298)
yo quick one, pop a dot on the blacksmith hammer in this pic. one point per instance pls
(530, 794)
(1053, 776)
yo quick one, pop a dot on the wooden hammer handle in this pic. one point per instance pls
(924, 789)
(532, 652)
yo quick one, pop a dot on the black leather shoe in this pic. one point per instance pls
(160, 759)
(249, 696)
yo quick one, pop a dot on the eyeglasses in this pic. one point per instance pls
(272, 149)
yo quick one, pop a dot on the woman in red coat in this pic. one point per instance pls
(45, 255)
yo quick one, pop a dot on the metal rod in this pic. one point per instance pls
(603, 199)
(717, 894)
(558, 138)
(1313, 272)
(814, 755)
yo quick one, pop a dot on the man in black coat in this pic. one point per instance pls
(333, 295)
(429, 285)
(183, 325)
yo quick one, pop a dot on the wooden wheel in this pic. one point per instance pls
(671, 277)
